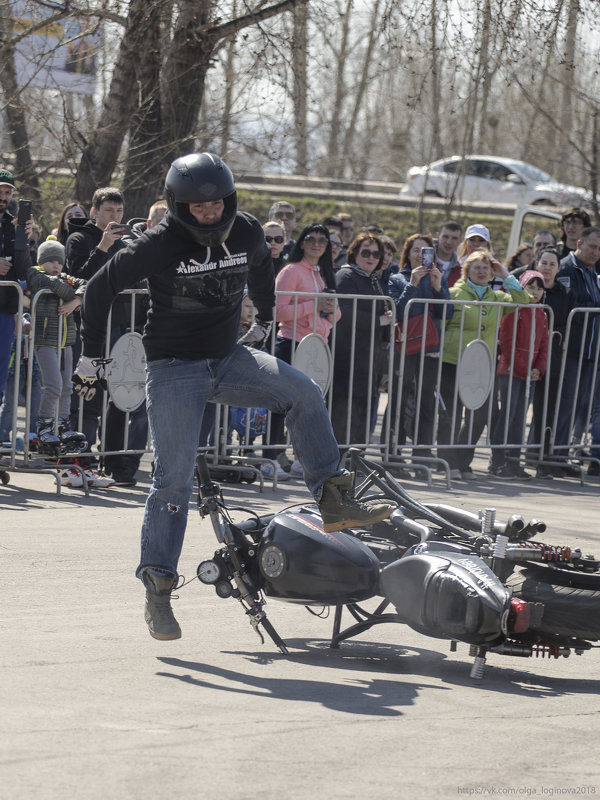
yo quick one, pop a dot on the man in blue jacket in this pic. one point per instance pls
(577, 272)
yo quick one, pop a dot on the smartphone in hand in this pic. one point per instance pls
(23, 216)
(24, 212)
(427, 257)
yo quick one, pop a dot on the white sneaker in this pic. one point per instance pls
(268, 471)
(97, 481)
(455, 475)
(296, 469)
(71, 477)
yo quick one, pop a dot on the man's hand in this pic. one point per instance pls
(71, 305)
(112, 233)
(257, 334)
(89, 376)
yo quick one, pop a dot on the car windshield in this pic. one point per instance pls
(533, 173)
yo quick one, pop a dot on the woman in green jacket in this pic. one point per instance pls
(470, 323)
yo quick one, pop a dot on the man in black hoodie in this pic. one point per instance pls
(197, 262)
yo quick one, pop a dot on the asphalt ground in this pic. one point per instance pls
(93, 708)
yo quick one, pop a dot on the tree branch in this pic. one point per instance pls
(228, 29)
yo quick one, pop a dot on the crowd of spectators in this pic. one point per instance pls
(329, 258)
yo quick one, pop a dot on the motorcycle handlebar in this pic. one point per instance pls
(202, 467)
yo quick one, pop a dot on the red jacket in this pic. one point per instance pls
(521, 357)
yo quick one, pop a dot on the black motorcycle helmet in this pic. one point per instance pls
(200, 178)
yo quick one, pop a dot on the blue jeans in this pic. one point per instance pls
(177, 392)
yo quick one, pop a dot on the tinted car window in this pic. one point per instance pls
(472, 167)
(451, 167)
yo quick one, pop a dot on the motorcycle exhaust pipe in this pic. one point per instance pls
(533, 528)
(468, 519)
(411, 526)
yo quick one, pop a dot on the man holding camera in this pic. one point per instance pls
(91, 243)
(15, 259)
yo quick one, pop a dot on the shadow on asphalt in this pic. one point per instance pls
(16, 497)
(370, 696)
(375, 696)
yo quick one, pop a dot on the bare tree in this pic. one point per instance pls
(568, 69)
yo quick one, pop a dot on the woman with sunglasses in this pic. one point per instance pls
(419, 379)
(358, 339)
(309, 269)
(275, 238)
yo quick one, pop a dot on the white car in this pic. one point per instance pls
(487, 179)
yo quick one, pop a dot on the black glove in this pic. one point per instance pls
(89, 376)
(257, 334)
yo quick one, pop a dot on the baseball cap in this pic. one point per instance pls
(6, 178)
(529, 275)
(478, 230)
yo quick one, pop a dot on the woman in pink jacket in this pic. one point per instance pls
(309, 269)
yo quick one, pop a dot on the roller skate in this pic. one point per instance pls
(70, 441)
(48, 441)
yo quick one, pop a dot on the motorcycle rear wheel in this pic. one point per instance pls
(570, 610)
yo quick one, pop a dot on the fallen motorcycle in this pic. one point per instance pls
(447, 573)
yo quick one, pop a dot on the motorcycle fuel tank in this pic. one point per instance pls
(301, 563)
(440, 590)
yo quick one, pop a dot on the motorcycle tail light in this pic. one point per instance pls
(519, 616)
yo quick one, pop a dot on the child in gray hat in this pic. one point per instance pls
(55, 333)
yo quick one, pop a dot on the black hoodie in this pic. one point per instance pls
(195, 291)
(83, 257)
(83, 260)
(21, 261)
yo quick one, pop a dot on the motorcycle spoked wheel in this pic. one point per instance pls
(571, 608)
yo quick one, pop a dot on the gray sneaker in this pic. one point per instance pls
(159, 614)
(339, 509)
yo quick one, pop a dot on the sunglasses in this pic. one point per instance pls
(316, 239)
(334, 243)
(370, 253)
(278, 239)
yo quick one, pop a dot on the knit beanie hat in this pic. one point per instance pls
(51, 250)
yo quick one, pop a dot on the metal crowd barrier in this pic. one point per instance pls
(385, 419)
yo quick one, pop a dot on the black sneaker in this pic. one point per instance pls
(123, 480)
(545, 473)
(519, 473)
(503, 473)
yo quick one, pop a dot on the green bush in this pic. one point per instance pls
(396, 221)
